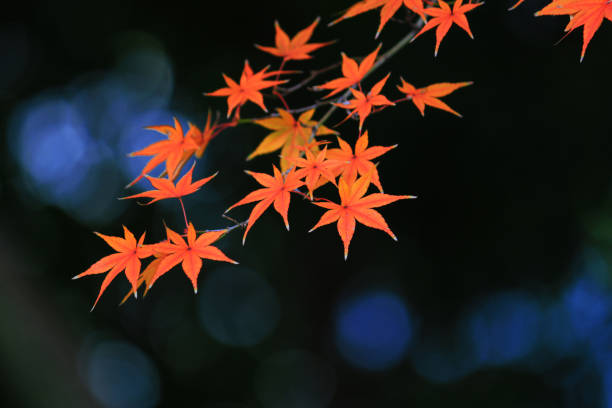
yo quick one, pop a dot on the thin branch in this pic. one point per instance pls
(227, 217)
(237, 224)
(297, 110)
(313, 75)
(307, 108)
(242, 224)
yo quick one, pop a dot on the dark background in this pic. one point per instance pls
(496, 294)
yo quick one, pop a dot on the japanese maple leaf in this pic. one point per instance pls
(296, 48)
(444, 17)
(171, 150)
(351, 164)
(276, 190)
(518, 3)
(288, 135)
(429, 95)
(558, 8)
(202, 138)
(189, 254)
(248, 89)
(355, 207)
(146, 276)
(165, 188)
(312, 168)
(362, 104)
(352, 73)
(588, 14)
(389, 8)
(127, 258)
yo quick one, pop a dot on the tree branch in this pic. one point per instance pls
(313, 75)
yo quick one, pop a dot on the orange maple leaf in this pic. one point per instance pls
(312, 168)
(276, 190)
(202, 138)
(351, 164)
(429, 95)
(146, 276)
(171, 151)
(288, 134)
(248, 88)
(518, 3)
(190, 253)
(296, 48)
(389, 8)
(444, 17)
(558, 8)
(127, 258)
(362, 104)
(355, 207)
(352, 73)
(588, 14)
(165, 188)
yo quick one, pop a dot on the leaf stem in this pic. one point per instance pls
(282, 64)
(184, 213)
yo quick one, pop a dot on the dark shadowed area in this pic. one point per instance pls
(497, 293)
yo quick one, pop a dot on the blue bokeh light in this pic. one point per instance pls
(121, 375)
(504, 328)
(373, 330)
(65, 140)
(589, 307)
(52, 145)
(238, 307)
(557, 338)
(607, 386)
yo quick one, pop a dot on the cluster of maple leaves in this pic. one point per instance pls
(307, 161)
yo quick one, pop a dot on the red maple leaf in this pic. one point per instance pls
(171, 151)
(588, 14)
(352, 73)
(202, 138)
(444, 17)
(296, 48)
(312, 168)
(276, 190)
(359, 162)
(248, 89)
(127, 258)
(189, 254)
(558, 8)
(355, 207)
(429, 95)
(389, 8)
(288, 134)
(362, 104)
(518, 3)
(165, 188)
(146, 276)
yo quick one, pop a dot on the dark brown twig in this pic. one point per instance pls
(313, 75)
